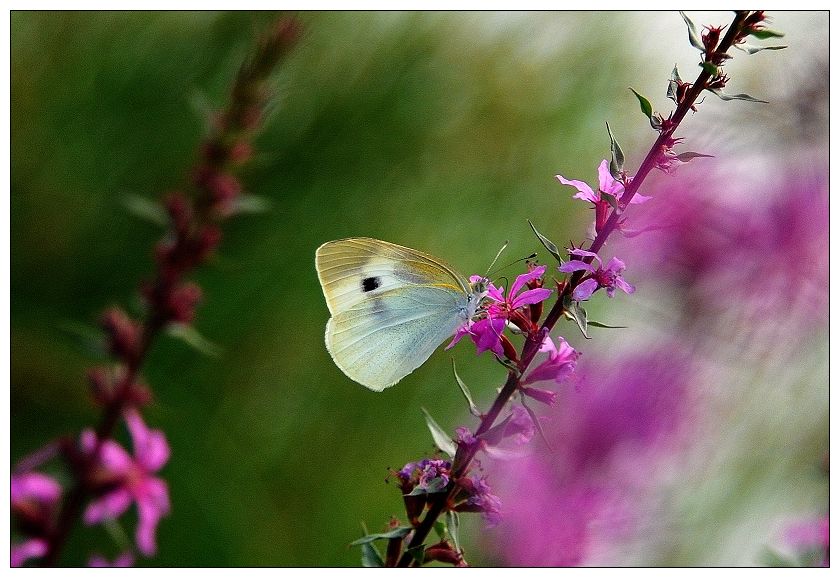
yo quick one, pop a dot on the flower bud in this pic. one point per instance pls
(123, 333)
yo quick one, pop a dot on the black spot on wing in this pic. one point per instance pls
(370, 283)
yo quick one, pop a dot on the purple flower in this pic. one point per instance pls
(505, 304)
(426, 476)
(132, 480)
(124, 560)
(520, 426)
(565, 503)
(479, 499)
(810, 536)
(32, 548)
(606, 184)
(486, 334)
(34, 500)
(559, 365)
(608, 277)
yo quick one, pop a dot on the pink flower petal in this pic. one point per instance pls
(114, 458)
(585, 290)
(585, 192)
(624, 286)
(531, 297)
(575, 265)
(606, 182)
(152, 505)
(20, 553)
(34, 486)
(526, 278)
(639, 199)
(150, 447)
(585, 253)
(111, 505)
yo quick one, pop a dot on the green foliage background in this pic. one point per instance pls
(441, 131)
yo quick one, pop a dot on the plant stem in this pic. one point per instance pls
(464, 456)
(240, 121)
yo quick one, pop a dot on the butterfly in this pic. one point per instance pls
(391, 307)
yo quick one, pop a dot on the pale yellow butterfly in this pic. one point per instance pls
(391, 307)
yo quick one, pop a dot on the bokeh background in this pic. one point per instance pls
(441, 131)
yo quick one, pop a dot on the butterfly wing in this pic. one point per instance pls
(391, 307)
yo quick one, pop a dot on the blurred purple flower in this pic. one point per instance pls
(124, 560)
(34, 499)
(559, 365)
(131, 480)
(608, 277)
(32, 548)
(810, 536)
(606, 442)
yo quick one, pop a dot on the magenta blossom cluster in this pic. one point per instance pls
(521, 307)
(119, 480)
(609, 190)
(34, 499)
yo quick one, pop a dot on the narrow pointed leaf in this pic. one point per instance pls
(672, 84)
(395, 533)
(741, 96)
(752, 49)
(687, 156)
(87, 337)
(442, 439)
(692, 32)
(465, 390)
(574, 311)
(453, 524)
(644, 103)
(611, 200)
(605, 326)
(766, 33)
(190, 335)
(146, 209)
(250, 204)
(617, 161)
(546, 242)
(371, 558)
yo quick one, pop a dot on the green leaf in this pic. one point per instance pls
(692, 32)
(611, 200)
(617, 161)
(687, 156)
(146, 209)
(395, 533)
(575, 311)
(709, 67)
(250, 204)
(465, 390)
(87, 337)
(442, 439)
(546, 242)
(371, 558)
(605, 326)
(741, 96)
(418, 553)
(440, 528)
(775, 560)
(672, 84)
(453, 525)
(644, 103)
(765, 33)
(435, 486)
(190, 335)
(752, 49)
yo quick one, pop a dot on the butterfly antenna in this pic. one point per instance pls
(531, 256)
(496, 258)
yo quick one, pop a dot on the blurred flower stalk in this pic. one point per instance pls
(560, 502)
(106, 479)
